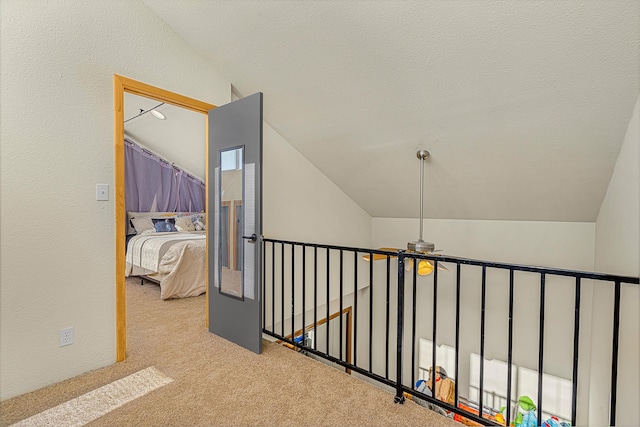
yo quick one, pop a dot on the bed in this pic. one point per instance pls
(176, 260)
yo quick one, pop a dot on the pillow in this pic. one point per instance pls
(131, 215)
(197, 216)
(194, 216)
(184, 223)
(142, 224)
(164, 224)
(202, 217)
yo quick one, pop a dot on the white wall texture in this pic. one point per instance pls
(302, 204)
(549, 244)
(617, 251)
(57, 65)
(58, 60)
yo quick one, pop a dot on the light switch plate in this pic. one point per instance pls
(102, 192)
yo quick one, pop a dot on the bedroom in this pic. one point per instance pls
(150, 51)
(168, 142)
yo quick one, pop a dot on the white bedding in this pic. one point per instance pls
(176, 260)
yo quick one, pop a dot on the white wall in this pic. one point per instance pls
(57, 249)
(618, 223)
(617, 251)
(302, 204)
(549, 244)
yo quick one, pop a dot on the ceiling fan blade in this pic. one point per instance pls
(378, 257)
(409, 265)
(442, 267)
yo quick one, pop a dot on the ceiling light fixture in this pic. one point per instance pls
(158, 115)
(424, 267)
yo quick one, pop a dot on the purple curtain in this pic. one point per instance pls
(154, 185)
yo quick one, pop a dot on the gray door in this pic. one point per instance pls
(235, 210)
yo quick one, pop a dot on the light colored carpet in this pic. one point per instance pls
(90, 406)
(215, 382)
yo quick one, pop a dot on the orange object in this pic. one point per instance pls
(474, 411)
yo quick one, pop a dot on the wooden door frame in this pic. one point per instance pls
(120, 86)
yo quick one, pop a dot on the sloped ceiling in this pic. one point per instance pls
(179, 139)
(523, 105)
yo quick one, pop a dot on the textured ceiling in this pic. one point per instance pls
(523, 105)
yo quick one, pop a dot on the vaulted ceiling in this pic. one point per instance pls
(179, 138)
(523, 105)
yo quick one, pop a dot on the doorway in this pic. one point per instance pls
(121, 85)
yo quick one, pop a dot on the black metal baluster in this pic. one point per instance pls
(355, 309)
(386, 365)
(434, 325)
(614, 355)
(457, 360)
(263, 279)
(341, 284)
(413, 322)
(541, 345)
(370, 311)
(328, 300)
(510, 347)
(576, 342)
(315, 298)
(273, 287)
(293, 292)
(304, 294)
(399, 398)
(482, 313)
(282, 288)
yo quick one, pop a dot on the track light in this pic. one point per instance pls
(158, 115)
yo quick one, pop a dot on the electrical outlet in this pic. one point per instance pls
(66, 336)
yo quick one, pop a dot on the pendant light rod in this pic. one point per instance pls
(420, 245)
(422, 155)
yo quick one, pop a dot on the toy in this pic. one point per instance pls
(525, 413)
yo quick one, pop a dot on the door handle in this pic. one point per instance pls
(252, 238)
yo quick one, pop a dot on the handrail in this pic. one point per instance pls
(294, 278)
(468, 261)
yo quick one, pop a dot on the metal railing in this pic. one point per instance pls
(304, 283)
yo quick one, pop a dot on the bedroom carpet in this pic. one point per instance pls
(216, 382)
